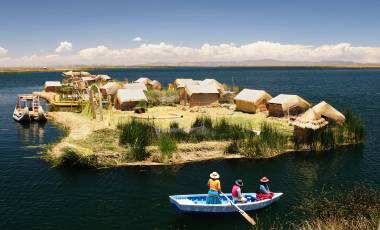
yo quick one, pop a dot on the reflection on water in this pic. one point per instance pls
(35, 195)
(30, 132)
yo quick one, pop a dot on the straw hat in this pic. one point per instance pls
(239, 182)
(264, 180)
(214, 175)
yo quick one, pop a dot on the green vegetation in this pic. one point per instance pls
(137, 135)
(72, 158)
(332, 135)
(162, 97)
(358, 208)
(269, 141)
(167, 145)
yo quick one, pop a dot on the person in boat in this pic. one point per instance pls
(214, 189)
(263, 191)
(237, 195)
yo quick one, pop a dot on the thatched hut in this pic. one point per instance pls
(201, 95)
(143, 80)
(307, 123)
(214, 83)
(103, 78)
(180, 85)
(252, 101)
(329, 113)
(128, 99)
(155, 85)
(52, 86)
(141, 86)
(287, 105)
(110, 88)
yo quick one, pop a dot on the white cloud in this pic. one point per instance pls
(3, 51)
(64, 47)
(137, 39)
(168, 53)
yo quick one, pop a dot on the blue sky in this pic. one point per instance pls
(37, 27)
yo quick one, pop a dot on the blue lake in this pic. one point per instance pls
(34, 195)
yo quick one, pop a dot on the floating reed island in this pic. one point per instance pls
(113, 123)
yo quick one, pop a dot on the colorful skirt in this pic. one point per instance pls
(213, 197)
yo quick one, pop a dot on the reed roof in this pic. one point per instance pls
(110, 88)
(201, 89)
(126, 95)
(252, 95)
(287, 101)
(326, 110)
(141, 86)
(310, 120)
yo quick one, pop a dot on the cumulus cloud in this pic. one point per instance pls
(64, 47)
(3, 51)
(228, 52)
(137, 39)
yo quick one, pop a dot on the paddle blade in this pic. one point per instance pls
(248, 218)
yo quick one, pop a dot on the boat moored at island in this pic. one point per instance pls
(28, 109)
(196, 204)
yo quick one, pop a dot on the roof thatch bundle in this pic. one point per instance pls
(250, 100)
(183, 82)
(141, 86)
(202, 95)
(285, 104)
(103, 77)
(109, 89)
(52, 86)
(127, 99)
(310, 120)
(155, 85)
(214, 83)
(143, 80)
(326, 110)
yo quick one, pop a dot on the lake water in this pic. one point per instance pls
(33, 195)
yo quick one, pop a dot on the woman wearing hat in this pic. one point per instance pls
(236, 192)
(263, 191)
(214, 189)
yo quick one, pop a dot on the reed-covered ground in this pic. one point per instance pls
(102, 141)
(187, 135)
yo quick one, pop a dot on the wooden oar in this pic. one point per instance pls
(244, 214)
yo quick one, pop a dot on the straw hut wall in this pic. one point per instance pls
(329, 113)
(128, 99)
(287, 105)
(252, 101)
(52, 86)
(202, 95)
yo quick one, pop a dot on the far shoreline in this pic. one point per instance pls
(91, 68)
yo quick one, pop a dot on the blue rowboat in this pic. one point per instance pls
(196, 203)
